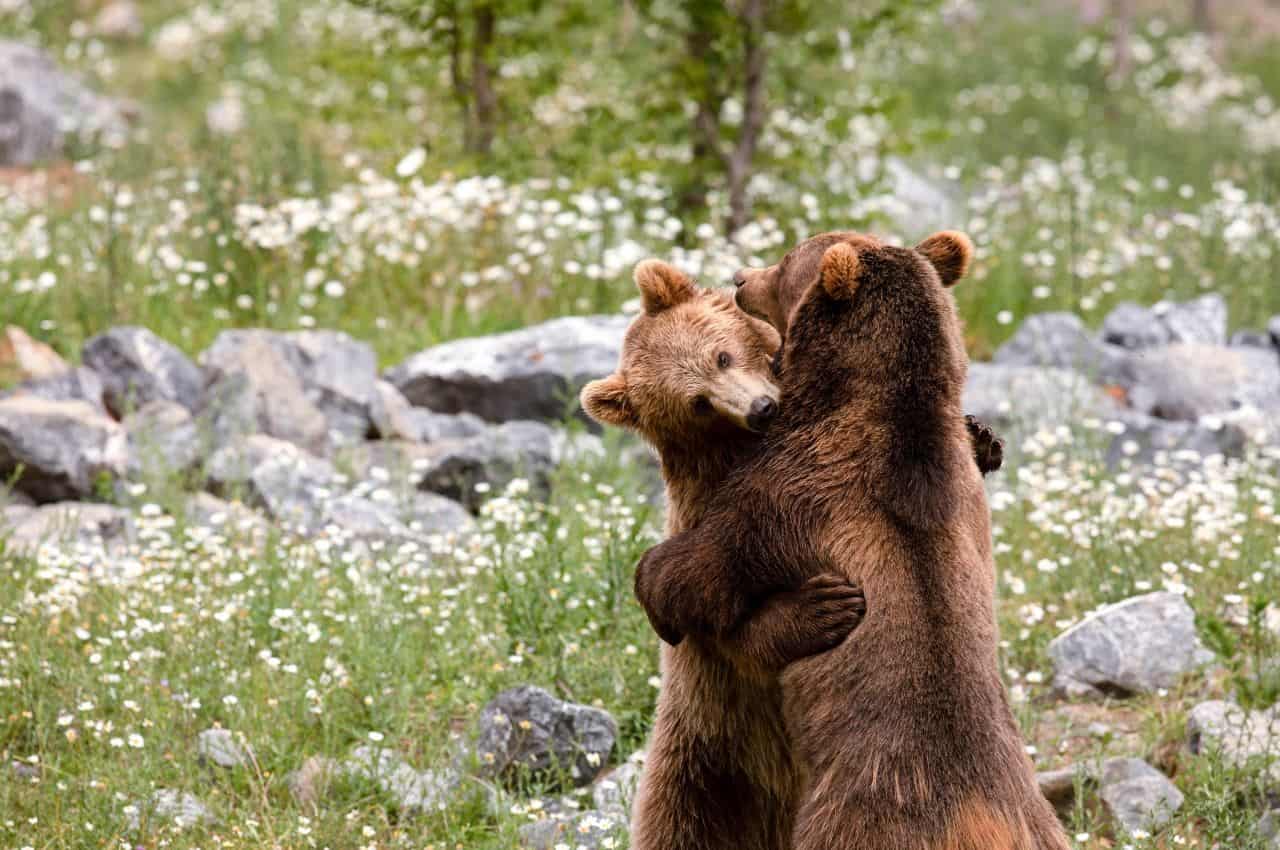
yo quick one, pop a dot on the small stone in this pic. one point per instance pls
(615, 791)
(167, 806)
(527, 730)
(310, 783)
(64, 449)
(220, 747)
(1134, 326)
(103, 526)
(582, 831)
(23, 358)
(415, 791)
(1237, 735)
(1059, 786)
(78, 384)
(1137, 796)
(1136, 646)
(138, 367)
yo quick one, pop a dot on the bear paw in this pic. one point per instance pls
(988, 449)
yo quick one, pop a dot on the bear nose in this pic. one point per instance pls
(739, 278)
(761, 413)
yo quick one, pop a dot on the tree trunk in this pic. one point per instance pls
(1122, 35)
(1202, 16)
(484, 98)
(706, 155)
(741, 159)
(457, 76)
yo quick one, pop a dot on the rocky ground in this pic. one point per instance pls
(269, 436)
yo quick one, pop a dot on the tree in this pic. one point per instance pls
(468, 31)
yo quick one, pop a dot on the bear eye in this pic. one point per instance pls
(702, 405)
(724, 361)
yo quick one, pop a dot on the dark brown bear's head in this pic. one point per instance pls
(692, 365)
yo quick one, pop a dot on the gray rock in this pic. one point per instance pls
(430, 514)
(220, 747)
(1018, 400)
(69, 522)
(1145, 437)
(415, 791)
(1188, 382)
(1137, 796)
(23, 358)
(1249, 339)
(138, 367)
(64, 448)
(1237, 735)
(533, 373)
(493, 458)
(167, 806)
(1062, 341)
(427, 426)
(310, 783)
(1134, 326)
(527, 730)
(1059, 786)
(285, 481)
(41, 106)
(253, 389)
(13, 498)
(616, 791)
(1269, 829)
(1136, 646)
(1273, 330)
(393, 417)
(580, 831)
(338, 374)
(164, 440)
(78, 384)
(230, 518)
(1201, 320)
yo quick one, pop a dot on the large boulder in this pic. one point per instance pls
(253, 389)
(527, 731)
(1190, 381)
(138, 367)
(290, 484)
(533, 373)
(23, 358)
(86, 523)
(1136, 646)
(1237, 735)
(1022, 399)
(1201, 321)
(1062, 341)
(164, 440)
(466, 470)
(64, 449)
(78, 384)
(1137, 796)
(41, 106)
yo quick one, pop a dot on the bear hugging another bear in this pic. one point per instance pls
(903, 732)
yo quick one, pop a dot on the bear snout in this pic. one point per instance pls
(761, 413)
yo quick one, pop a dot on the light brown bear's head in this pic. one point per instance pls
(692, 365)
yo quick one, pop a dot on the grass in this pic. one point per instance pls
(1079, 193)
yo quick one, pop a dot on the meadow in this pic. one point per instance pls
(299, 165)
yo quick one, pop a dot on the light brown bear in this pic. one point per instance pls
(696, 381)
(903, 732)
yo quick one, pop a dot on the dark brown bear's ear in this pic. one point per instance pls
(949, 252)
(839, 270)
(606, 401)
(662, 285)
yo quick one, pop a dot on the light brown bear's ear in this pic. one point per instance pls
(606, 401)
(662, 285)
(839, 271)
(949, 252)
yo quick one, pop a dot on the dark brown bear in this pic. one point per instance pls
(695, 381)
(904, 734)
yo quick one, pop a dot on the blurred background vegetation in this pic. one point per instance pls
(413, 171)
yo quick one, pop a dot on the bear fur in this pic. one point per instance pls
(903, 732)
(720, 772)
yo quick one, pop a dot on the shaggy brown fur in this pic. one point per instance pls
(903, 732)
(720, 772)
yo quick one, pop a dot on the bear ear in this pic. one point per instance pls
(949, 252)
(839, 270)
(662, 285)
(606, 401)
